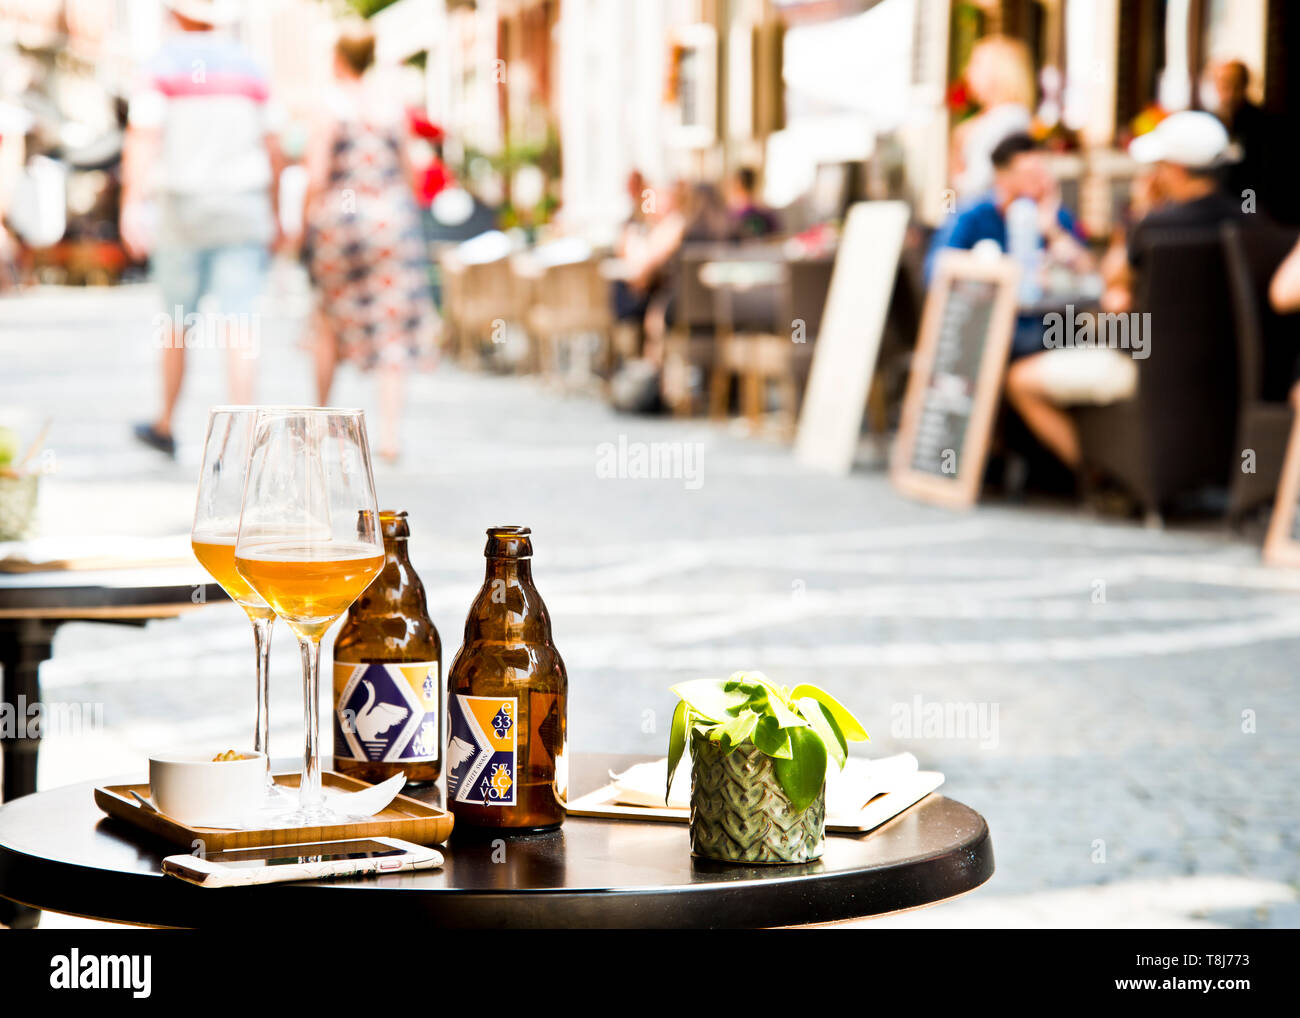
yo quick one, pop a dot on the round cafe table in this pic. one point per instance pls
(35, 603)
(58, 852)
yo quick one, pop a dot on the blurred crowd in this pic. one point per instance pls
(205, 196)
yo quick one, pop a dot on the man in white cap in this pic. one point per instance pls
(1186, 154)
(200, 167)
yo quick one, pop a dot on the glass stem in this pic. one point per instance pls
(262, 731)
(310, 795)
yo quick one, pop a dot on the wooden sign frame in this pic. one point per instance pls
(961, 489)
(848, 341)
(1280, 549)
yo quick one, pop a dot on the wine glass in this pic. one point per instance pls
(216, 524)
(309, 544)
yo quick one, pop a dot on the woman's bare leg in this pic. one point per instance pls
(240, 374)
(327, 358)
(392, 399)
(173, 374)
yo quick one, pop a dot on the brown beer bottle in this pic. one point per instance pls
(507, 694)
(387, 674)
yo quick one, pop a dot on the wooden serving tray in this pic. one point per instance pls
(405, 818)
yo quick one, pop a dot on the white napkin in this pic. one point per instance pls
(847, 791)
(351, 806)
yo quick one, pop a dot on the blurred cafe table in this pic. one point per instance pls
(59, 852)
(752, 357)
(45, 583)
(1065, 290)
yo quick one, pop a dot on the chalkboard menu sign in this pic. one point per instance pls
(952, 394)
(1282, 545)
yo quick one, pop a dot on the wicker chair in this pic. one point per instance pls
(1266, 361)
(1177, 434)
(569, 301)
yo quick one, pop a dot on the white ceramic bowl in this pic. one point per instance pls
(197, 790)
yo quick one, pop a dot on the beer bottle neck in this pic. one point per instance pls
(395, 550)
(510, 570)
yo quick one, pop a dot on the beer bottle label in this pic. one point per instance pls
(481, 754)
(386, 711)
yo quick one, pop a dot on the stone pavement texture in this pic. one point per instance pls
(1119, 703)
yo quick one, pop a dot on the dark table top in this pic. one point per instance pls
(82, 593)
(57, 851)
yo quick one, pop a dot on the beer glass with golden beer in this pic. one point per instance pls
(309, 544)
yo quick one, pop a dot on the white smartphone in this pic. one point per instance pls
(241, 867)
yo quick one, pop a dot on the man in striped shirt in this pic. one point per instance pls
(200, 168)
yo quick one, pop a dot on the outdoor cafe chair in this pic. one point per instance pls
(1266, 360)
(1178, 433)
(569, 302)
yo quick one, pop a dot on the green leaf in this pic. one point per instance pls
(850, 726)
(707, 698)
(785, 717)
(755, 694)
(803, 775)
(823, 723)
(737, 730)
(676, 743)
(771, 738)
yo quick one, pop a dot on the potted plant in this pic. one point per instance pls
(18, 484)
(759, 754)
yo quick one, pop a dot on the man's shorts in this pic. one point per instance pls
(231, 276)
(1074, 376)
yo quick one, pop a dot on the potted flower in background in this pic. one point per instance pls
(18, 485)
(759, 754)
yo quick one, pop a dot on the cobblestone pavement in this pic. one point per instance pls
(1131, 693)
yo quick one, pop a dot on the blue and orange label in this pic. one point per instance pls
(387, 711)
(481, 756)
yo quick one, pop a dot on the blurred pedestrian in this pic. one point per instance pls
(200, 168)
(1000, 77)
(365, 248)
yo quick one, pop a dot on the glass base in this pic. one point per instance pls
(277, 796)
(310, 816)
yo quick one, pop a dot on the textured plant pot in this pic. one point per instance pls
(17, 505)
(740, 814)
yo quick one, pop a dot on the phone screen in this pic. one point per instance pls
(280, 855)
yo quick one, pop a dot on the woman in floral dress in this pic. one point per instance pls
(365, 250)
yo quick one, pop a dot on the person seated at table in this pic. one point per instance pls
(1040, 380)
(749, 217)
(1185, 152)
(1185, 155)
(696, 214)
(1000, 78)
(1021, 172)
(630, 298)
(1263, 162)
